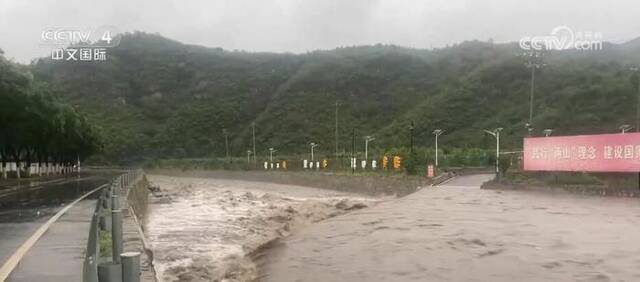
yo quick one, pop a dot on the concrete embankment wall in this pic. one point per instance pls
(133, 227)
(374, 185)
(138, 197)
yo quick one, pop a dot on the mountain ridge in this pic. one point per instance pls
(159, 98)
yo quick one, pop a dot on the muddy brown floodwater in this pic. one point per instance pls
(459, 232)
(201, 229)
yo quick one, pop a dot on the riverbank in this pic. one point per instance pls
(134, 238)
(603, 184)
(372, 185)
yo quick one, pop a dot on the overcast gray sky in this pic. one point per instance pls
(303, 25)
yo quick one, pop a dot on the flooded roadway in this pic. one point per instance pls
(202, 229)
(459, 232)
(27, 207)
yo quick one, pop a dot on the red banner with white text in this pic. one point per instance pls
(604, 152)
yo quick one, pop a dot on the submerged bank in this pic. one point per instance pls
(582, 183)
(202, 229)
(396, 184)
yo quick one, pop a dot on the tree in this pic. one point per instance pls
(34, 126)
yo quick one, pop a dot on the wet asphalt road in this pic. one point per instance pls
(22, 211)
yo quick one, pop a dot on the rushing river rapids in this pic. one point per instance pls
(202, 229)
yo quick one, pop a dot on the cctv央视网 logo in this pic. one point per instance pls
(562, 38)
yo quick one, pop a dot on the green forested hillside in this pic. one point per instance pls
(155, 97)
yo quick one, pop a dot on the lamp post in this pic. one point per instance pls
(636, 70)
(313, 145)
(353, 150)
(253, 133)
(367, 139)
(437, 133)
(271, 151)
(547, 132)
(411, 127)
(226, 143)
(496, 134)
(625, 127)
(337, 104)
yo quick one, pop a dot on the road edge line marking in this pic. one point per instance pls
(10, 264)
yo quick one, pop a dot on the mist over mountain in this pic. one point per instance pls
(158, 98)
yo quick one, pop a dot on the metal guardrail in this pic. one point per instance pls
(123, 267)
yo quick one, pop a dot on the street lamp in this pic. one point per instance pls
(271, 151)
(337, 104)
(313, 145)
(411, 127)
(635, 69)
(547, 132)
(437, 133)
(253, 133)
(496, 134)
(226, 143)
(367, 139)
(625, 127)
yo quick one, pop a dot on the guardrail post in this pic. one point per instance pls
(110, 272)
(130, 267)
(116, 229)
(103, 198)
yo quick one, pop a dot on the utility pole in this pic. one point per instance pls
(353, 150)
(312, 145)
(226, 143)
(253, 132)
(367, 139)
(437, 133)
(496, 134)
(411, 127)
(337, 129)
(635, 69)
(638, 107)
(534, 61)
